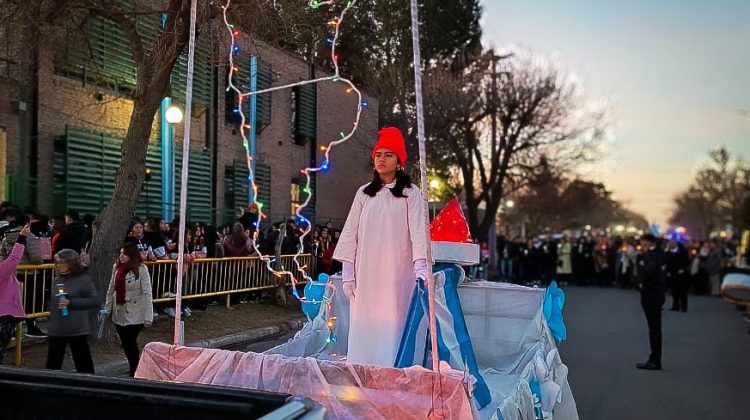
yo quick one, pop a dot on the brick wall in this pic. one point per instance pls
(65, 101)
(335, 111)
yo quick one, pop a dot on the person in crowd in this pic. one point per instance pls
(34, 286)
(58, 225)
(238, 244)
(328, 264)
(7, 215)
(33, 252)
(505, 252)
(198, 240)
(625, 268)
(73, 297)
(700, 279)
(382, 248)
(213, 244)
(549, 260)
(73, 236)
(290, 242)
(88, 221)
(714, 266)
(601, 262)
(154, 237)
(11, 307)
(32, 255)
(650, 269)
(536, 261)
(677, 275)
(40, 226)
(142, 242)
(249, 219)
(129, 302)
(564, 262)
(521, 263)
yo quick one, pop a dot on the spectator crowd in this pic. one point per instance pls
(610, 260)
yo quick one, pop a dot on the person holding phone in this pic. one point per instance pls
(11, 308)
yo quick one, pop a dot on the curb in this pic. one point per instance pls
(227, 341)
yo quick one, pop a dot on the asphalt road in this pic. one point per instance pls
(706, 362)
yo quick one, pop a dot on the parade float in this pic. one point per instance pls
(468, 349)
(497, 346)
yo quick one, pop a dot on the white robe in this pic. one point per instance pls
(382, 237)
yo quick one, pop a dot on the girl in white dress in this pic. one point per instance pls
(383, 248)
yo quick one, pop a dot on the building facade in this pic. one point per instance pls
(65, 109)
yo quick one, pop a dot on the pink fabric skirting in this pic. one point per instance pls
(347, 391)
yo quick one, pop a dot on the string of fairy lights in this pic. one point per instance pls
(325, 165)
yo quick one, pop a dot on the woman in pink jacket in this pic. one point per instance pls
(11, 309)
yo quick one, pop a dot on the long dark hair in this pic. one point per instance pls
(403, 180)
(238, 236)
(135, 258)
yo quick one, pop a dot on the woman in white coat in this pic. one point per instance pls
(383, 248)
(129, 301)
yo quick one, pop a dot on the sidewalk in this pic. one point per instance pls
(217, 327)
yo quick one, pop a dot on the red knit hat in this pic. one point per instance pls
(391, 138)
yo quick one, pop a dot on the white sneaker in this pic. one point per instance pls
(186, 312)
(170, 312)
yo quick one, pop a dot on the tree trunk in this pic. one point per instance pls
(110, 227)
(153, 74)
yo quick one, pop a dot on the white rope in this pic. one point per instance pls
(179, 337)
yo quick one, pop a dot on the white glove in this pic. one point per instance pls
(420, 269)
(349, 289)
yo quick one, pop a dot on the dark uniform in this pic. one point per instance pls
(651, 272)
(677, 272)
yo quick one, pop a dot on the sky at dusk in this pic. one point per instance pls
(674, 71)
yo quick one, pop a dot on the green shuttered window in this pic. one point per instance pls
(86, 174)
(100, 54)
(304, 110)
(263, 102)
(236, 187)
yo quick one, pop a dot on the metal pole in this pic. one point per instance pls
(167, 155)
(253, 120)
(178, 325)
(423, 177)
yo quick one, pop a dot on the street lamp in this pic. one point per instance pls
(509, 204)
(434, 184)
(170, 115)
(173, 115)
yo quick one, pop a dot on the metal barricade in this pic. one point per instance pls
(203, 277)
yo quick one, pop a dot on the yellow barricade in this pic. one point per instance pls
(204, 277)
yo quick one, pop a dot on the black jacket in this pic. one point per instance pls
(73, 236)
(651, 271)
(677, 260)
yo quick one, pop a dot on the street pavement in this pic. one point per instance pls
(706, 362)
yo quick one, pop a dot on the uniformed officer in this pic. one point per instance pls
(651, 271)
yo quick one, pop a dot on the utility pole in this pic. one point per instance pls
(492, 236)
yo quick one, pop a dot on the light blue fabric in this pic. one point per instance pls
(314, 292)
(554, 300)
(454, 343)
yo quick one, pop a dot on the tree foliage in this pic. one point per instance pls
(502, 118)
(553, 202)
(716, 197)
